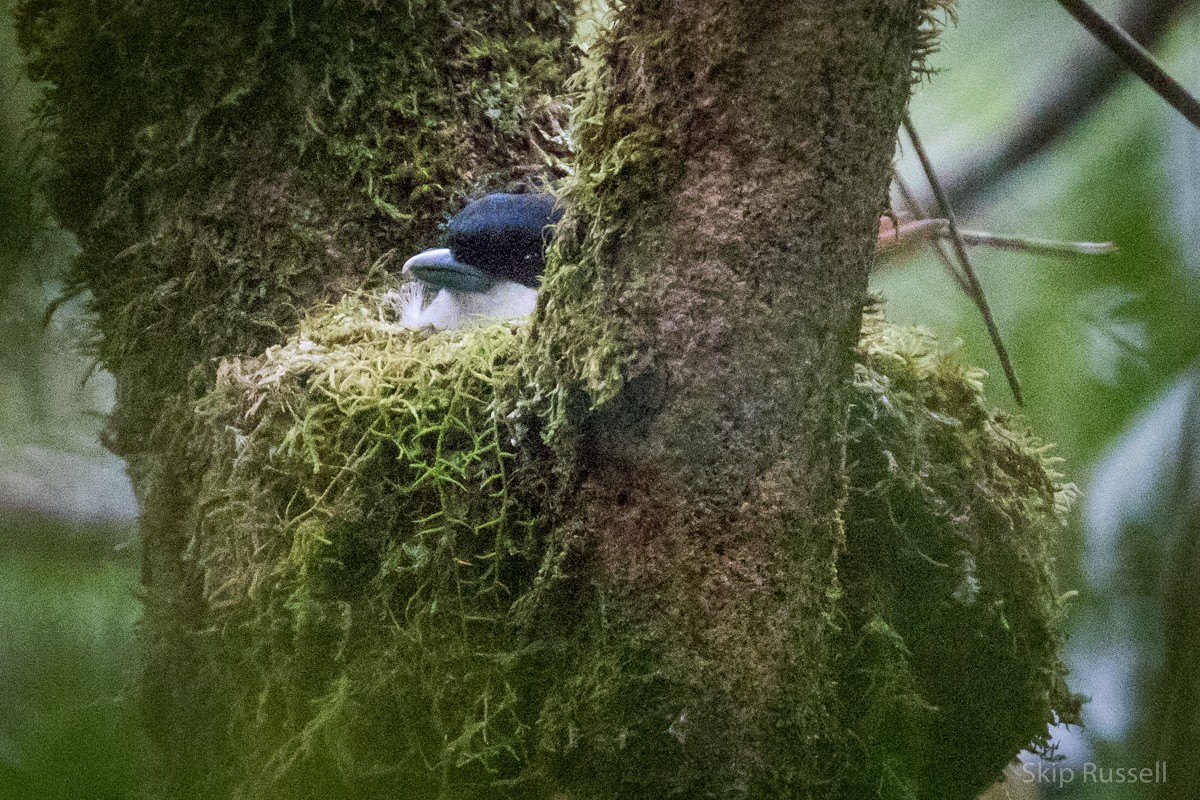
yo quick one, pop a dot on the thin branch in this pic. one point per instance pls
(915, 209)
(960, 250)
(1137, 58)
(937, 229)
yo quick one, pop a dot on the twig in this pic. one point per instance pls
(913, 205)
(940, 229)
(960, 250)
(1137, 58)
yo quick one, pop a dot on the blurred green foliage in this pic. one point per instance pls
(1093, 339)
(69, 724)
(69, 727)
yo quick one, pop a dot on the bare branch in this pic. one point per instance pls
(937, 229)
(915, 209)
(1137, 58)
(960, 250)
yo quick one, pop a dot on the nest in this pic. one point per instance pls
(372, 533)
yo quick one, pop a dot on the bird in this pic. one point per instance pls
(490, 267)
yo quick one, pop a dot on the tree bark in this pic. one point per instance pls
(709, 487)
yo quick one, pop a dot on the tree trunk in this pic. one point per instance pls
(733, 163)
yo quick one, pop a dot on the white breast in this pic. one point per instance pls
(449, 309)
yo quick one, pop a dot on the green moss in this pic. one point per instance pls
(369, 520)
(625, 154)
(226, 165)
(935, 15)
(950, 512)
(378, 580)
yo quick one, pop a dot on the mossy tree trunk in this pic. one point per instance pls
(227, 166)
(366, 573)
(733, 163)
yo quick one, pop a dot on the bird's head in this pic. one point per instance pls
(501, 237)
(491, 264)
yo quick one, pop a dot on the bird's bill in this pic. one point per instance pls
(438, 268)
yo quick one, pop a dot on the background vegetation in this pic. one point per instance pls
(1103, 347)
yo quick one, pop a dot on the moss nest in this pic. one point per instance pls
(367, 522)
(950, 593)
(383, 612)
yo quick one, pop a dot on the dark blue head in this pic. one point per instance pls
(501, 237)
(505, 235)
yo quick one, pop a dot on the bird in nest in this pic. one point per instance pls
(490, 266)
